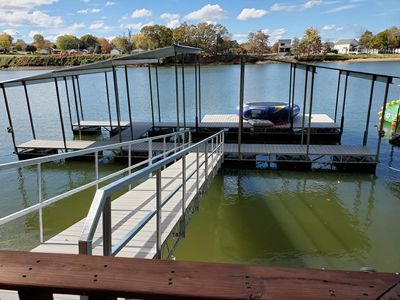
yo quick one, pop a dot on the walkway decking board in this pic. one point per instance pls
(51, 144)
(133, 206)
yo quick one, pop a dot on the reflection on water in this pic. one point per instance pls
(294, 219)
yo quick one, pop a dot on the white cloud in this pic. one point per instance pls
(136, 26)
(17, 4)
(251, 13)
(12, 32)
(98, 26)
(142, 13)
(110, 3)
(76, 26)
(341, 8)
(173, 20)
(32, 33)
(339, 28)
(89, 10)
(312, 3)
(275, 34)
(282, 7)
(208, 13)
(329, 27)
(241, 37)
(25, 18)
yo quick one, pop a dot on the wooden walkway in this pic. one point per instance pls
(130, 208)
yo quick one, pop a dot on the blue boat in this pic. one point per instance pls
(276, 112)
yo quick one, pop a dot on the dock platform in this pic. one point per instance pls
(129, 209)
(92, 127)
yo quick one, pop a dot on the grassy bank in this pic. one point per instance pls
(17, 61)
(351, 57)
(32, 61)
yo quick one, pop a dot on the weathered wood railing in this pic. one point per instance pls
(39, 275)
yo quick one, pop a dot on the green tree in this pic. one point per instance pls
(38, 41)
(380, 40)
(88, 41)
(20, 45)
(259, 43)
(121, 43)
(67, 42)
(393, 34)
(185, 34)
(31, 48)
(140, 41)
(5, 41)
(158, 36)
(365, 39)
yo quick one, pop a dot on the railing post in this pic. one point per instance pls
(164, 148)
(158, 215)
(371, 95)
(382, 121)
(150, 152)
(197, 170)
(96, 166)
(107, 240)
(190, 137)
(85, 247)
(129, 162)
(39, 185)
(183, 224)
(212, 152)
(205, 161)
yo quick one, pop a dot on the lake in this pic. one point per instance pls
(299, 219)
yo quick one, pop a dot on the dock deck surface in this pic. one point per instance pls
(106, 124)
(52, 144)
(130, 208)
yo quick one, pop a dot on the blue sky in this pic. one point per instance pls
(334, 19)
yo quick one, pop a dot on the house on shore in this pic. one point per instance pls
(284, 46)
(346, 46)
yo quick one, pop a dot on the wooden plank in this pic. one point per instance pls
(51, 144)
(101, 124)
(153, 279)
(130, 208)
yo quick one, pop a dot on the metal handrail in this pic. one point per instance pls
(101, 204)
(57, 157)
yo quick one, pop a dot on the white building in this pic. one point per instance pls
(284, 46)
(346, 46)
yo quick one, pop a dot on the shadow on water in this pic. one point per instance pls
(315, 220)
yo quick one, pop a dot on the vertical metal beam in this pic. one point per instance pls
(183, 91)
(60, 113)
(310, 111)
(293, 96)
(337, 94)
(199, 69)
(304, 104)
(129, 101)
(176, 91)
(195, 95)
(158, 214)
(10, 124)
(290, 90)
(68, 101)
(183, 195)
(117, 102)
(388, 82)
(241, 102)
(39, 190)
(158, 95)
(80, 98)
(76, 106)
(151, 97)
(371, 95)
(397, 118)
(108, 101)
(344, 106)
(107, 239)
(29, 110)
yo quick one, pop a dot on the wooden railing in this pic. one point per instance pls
(40, 275)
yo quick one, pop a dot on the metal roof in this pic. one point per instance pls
(147, 57)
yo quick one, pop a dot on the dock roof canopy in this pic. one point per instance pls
(146, 57)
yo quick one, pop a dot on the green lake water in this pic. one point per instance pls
(298, 219)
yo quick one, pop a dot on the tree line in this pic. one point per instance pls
(214, 39)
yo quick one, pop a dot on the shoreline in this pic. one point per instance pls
(233, 62)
